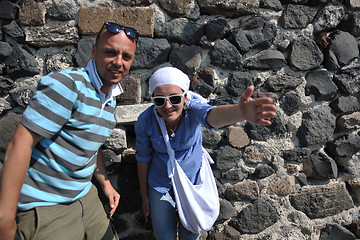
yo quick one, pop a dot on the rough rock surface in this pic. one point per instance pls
(296, 179)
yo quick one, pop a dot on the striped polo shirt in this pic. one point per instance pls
(67, 111)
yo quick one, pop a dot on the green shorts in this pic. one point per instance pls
(83, 219)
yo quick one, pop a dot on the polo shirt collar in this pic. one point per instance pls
(97, 83)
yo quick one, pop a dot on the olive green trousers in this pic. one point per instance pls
(83, 219)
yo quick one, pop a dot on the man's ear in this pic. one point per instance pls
(93, 50)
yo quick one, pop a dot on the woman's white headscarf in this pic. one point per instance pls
(172, 75)
(169, 75)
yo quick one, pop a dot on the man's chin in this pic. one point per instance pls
(116, 80)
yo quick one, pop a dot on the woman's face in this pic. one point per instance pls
(169, 112)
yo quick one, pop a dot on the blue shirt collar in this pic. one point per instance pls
(97, 83)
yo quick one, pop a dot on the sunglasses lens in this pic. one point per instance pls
(131, 32)
(159, 101)
(113, 27)
(174, 100)
(116, 28)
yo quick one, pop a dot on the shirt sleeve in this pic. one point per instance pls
(143, 144)
(200, 111)
(52, 104)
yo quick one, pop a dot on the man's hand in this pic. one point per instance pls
(114, 198)
(102, 177)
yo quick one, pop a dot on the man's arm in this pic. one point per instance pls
(102, 177)
(16, 164)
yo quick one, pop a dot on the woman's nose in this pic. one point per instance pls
(167, 103)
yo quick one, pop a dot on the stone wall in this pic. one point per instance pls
(298, 178)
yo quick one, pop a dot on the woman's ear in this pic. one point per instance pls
(185, 103)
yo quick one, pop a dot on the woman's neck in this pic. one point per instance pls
(173, 126)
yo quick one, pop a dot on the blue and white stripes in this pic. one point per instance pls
(67, 111)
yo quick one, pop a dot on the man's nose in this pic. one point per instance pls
(118, 60)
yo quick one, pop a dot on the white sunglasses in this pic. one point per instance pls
(160, 101)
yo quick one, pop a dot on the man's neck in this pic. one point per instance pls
(106, 89)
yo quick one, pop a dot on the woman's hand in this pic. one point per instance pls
(256, 111)
(146, 208)
(143, 168)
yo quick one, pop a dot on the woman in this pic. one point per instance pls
(183, 112)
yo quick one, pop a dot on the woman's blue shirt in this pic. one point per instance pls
(187, 144)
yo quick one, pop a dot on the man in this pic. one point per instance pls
(49, 163)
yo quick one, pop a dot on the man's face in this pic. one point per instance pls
(113, 55)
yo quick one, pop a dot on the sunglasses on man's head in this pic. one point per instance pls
(116, 28)
(174, 100)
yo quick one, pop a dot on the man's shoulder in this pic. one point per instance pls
(70, 75)
(73, 69)
(70, 72)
